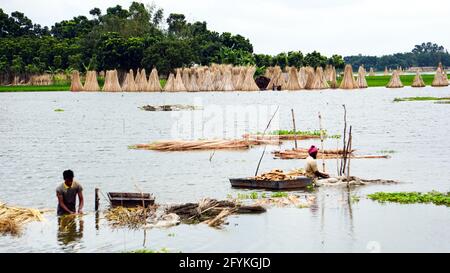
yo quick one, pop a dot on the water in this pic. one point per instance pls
(92, 136)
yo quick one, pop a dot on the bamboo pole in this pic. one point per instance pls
(295, 130)
(342, 168)
(350, 149)
(97, 199)
(321, 141)
(264, 151)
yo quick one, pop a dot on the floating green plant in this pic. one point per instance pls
(422, 99)
(279, 194)
(162, 250)
(59, 110)
(434, 197)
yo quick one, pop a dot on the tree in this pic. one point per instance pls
(295, 58)
(177, 23)
(17, 65)
(280, 60)
(337, 61)
(315, 59)
(96, 12)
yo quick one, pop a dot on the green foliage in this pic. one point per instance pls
(315, 59)
(421, 99)
(59, 110)
(279, 194)
(150, 251)
(434, 197)
(252, 195)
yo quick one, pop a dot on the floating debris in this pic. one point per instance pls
(12, 219)
(175, 107)
(186, 145)
(280, 175)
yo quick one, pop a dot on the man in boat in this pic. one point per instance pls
(311, 165)
(67, 194)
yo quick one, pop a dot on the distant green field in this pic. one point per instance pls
(372, 81)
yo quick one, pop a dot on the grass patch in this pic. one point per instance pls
(434, 197)
(31, 88)
(162, 250)
(59, 110)
(253, 195)
(279, 194)
(422, 99)
(382, 81)
(301, 133)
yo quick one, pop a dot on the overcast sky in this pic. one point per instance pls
(346, 27)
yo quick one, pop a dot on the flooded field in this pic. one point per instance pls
(92, 134)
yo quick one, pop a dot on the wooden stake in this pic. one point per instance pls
(97, 199)
(321, 141)
(295, 130)
(350, 151)
(342, 169)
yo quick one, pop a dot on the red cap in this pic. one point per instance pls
(313, 150)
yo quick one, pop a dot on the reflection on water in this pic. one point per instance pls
(70, 230)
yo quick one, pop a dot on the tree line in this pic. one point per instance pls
(141, 37)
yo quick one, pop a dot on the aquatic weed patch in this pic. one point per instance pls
(437, 198)
(422, 99)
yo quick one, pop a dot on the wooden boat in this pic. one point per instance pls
(298, 183)
(127, 199)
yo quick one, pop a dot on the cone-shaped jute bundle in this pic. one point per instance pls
(302, 77)
(361, 79)
(249, 83)
(371, 72)
(129, 85)
(240, 79)
(319, 81)
(395, 81)
(386, 71)
(193, 87)
(91, 83)
(178, 85)
(154, 85)
(310, 78)
(170, 83)
(333, 82)
(142, 83)
(293, 82)
(76, 85)
(185, 78)
(418, 81)
(207, 84)
(348, 81)
(439, 78)
(227, 82)
(111, 82)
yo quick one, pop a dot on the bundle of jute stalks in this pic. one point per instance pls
(12, 219)
(301, 153)
(186, 145)
(280, 175)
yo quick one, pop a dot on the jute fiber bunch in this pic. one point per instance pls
(386, 72)
(395, 81)
(333, 82)
(207, 84)
(310, 78)
(193, 86)
(186, 79)
(249, 82)
(111, 82)
(361, 79)
(142, 83)
(129, 85)
(75, 84)
(169, 87)
(418, 81)
(302, 77)
(348, 81)
(319, 81)
(293, 81)
(91, 83)
(154, 85)
(227, 82)
(440, 78)
(371, 72)
(178, 84)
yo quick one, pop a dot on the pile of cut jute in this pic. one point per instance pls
(12, 219)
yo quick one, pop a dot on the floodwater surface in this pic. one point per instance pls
(91, 136)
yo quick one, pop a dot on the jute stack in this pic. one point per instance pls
(170, 83)
(129, 85)
(310, 78)
(111, 82)
(249, 82)
(154, 85)
(193, 86)
(186, 79)
(178, 84)
(333, 82)
(418, 81)
(348, 81)
(240, 79)
(371, 72)
(395, 81)
(277, 82)
(440, 78)
(319, 80)
(91, 83)
(302, 77)
(293, 82)
(217, 79)
(207, 84)
(227, 82)
(361, 79)
(142, 83)
(386, 71)
(76, 85)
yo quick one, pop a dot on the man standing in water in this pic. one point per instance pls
(67, 194)
(311, 165)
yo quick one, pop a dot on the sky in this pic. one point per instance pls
(345, 27)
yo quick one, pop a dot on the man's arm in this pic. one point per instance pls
(322, 175)
(61, 203)
(81, 199)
